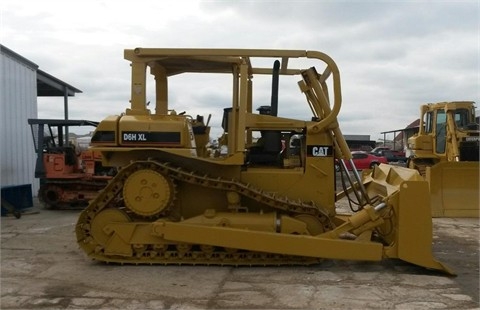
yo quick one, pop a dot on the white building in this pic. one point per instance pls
(20, 83)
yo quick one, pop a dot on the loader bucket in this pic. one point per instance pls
(408, 230)
(454, 189)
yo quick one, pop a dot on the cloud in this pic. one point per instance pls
(393, 56)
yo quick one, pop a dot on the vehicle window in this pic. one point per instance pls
(359, 156)
(428, 122)
(440, 134)
(461, 117)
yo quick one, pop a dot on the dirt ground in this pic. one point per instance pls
(43, 268)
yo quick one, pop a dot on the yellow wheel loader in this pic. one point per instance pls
(446, 152)
(266, 194)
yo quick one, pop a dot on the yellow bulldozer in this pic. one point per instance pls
(266, 194)
(446, 152)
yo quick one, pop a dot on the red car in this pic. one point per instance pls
(363, 160)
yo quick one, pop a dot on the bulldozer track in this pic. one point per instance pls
(76, 185)
(192, 254)
(421, 164)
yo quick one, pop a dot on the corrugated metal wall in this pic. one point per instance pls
(18, 102)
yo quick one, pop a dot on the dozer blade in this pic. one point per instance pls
(454, 189)
(415, 228)
(408, 231)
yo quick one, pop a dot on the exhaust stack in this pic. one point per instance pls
(275, 79)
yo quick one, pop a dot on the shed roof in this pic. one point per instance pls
(47, 84)
(50, 86)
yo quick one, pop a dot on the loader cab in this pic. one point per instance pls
(435, 128)
(447, 132)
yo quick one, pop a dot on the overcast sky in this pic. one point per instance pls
(392, 55)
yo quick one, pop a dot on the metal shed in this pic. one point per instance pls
(21, 82)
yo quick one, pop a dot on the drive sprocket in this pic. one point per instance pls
(147, 192)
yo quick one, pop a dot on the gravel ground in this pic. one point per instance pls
(43, 268)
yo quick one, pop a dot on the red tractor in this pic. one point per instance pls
(70, 175)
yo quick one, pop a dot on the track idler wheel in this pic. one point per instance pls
(147, 193)
(102, 219)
